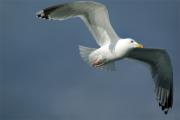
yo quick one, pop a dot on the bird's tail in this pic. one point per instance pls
(85, 52)
(94, 61)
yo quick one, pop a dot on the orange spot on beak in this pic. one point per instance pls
(139, 46)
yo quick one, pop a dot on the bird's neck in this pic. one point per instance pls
(121, 49)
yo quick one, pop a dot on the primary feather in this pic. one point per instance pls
(94, 15)
(162, 74)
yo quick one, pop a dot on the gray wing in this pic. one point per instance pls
(95, 15)
(162, 73)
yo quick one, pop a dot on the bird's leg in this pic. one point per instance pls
(98, 63)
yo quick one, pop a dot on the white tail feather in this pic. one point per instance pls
(85, 52)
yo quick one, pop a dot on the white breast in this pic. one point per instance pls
(121, 48)
(109, 53)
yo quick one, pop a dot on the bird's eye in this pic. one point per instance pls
(132, 41)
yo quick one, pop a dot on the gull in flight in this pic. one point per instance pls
(113, 48)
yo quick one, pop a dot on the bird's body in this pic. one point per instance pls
(109, 52)
(113, 48)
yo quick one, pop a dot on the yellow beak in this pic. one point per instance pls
(139, 46)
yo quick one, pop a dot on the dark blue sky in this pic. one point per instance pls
(44, 78)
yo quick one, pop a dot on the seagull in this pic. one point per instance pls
(113, 48)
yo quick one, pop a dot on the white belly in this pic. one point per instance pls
(104, 54)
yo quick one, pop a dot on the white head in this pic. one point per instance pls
(124, 45)
(130, 43)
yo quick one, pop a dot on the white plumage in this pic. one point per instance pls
(112, 47)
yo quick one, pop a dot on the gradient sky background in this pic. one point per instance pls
(43, 77)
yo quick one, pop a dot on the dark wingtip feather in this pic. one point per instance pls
(164, 108)
(42, 14)
(168, 103)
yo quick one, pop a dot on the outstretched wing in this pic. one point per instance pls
(162, 73)
(95, 15)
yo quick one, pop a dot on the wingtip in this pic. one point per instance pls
(165, 112)
(165, 108)
(42, 15)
